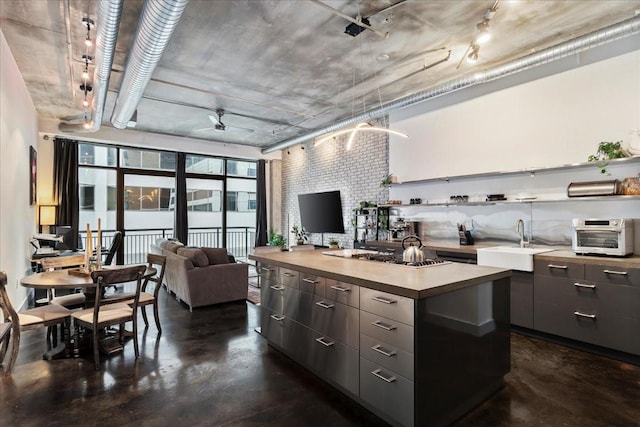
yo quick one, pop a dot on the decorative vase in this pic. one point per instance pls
(300, 242)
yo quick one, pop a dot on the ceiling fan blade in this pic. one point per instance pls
(239, 129)
(201, 129)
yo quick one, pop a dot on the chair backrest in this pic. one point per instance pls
(58, 262)
(115, 244)
(10, 325)
(161, 262)
(113, 276)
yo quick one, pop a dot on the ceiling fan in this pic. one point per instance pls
(218, 126)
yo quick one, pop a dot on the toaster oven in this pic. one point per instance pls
(602, 236)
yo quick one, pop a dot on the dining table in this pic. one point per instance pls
(73, 279)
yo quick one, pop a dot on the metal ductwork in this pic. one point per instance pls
(157, 22)
(107, 26)
(614, 32)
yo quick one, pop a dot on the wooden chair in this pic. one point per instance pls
(35, 318)
(102, 316)
(76, 299)
(146, 297)
(10, 325)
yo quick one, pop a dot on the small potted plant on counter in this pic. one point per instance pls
(333, 244)
(301, 235)
(276, 239)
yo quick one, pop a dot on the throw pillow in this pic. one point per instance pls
(216, 255)
(173, 246)
(196, 255)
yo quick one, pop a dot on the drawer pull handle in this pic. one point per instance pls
(324, 305)
(340, 288)
(388, 378)
(380, 349)
(383, 325)
(276, 287)
(277, 318)
(582, 285)
(587, 316)
(286, 273)
(313, 282)
(324, 342)
(560, 267)
(266, 269)
(384, 300)
(619, 273)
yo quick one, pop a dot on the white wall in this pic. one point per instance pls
(18, 131)
(551, 121)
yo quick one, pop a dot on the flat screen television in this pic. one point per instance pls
(321, 212)
(68, 243)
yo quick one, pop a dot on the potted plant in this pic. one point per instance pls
(301, 235)
(276, 239)
(387, 180)
(607, 151)
(333, 244)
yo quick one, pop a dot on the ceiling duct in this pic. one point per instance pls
(614, 32)
(157, 22)
(108, 23)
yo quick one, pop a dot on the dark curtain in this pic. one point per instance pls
(65, 183)
(261, 205)
(181, 226)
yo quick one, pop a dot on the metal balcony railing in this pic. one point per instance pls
(138, 241)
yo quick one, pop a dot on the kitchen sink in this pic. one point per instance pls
(513, 257)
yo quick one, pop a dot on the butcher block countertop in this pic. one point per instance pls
(399, 280)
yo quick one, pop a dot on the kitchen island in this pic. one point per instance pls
(415, 345)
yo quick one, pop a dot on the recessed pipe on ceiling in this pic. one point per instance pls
(158, 20)
(107, 26)
(614, 32)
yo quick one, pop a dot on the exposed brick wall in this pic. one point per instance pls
(356, 173)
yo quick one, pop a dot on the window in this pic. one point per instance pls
(241, 201)
(147, 159)
(241, 168)
(86, 154)
(204, 200)
(97, 155)
(87, 197)
(205, 165)
(147, 198)
(111, 198)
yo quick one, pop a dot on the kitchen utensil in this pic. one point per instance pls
(412, 253)
(464, 235)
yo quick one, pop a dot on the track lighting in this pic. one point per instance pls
(473, 55)
(85, 102)
(483, 33)
(89, 23)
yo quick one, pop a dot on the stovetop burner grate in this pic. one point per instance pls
(391, 258)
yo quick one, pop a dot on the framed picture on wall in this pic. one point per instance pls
(33, 161)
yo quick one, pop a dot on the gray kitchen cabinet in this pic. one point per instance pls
(342, 292)
(334, 361)
(522, 299)
(591, 303)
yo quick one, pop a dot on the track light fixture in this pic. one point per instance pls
(482, 35)
(89, 23)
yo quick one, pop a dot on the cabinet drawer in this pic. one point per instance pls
(388, 331)
(572, 270)
(388, 392)
(287, 301)
(268, 273)
(614, 275)
(272, 326)
(335, 361)
(312, 284)
(387, 356)
(388, 305)
(590, 297)
(342, 292)
(339, 321)
(607, 330)
(289, 278)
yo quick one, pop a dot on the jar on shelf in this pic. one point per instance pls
(631, 186)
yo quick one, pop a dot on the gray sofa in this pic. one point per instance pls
(202, 276)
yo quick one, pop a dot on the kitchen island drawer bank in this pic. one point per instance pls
(436, 338)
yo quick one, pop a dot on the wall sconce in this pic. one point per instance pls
(47, 214)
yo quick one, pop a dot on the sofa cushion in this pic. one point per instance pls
(216, 255)
(196, 255)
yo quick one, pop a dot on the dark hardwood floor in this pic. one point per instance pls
(209, 367)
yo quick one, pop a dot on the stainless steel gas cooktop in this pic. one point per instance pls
(386, 257)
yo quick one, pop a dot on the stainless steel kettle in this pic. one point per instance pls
(412, 254)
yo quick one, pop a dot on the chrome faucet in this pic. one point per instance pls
(520, 231)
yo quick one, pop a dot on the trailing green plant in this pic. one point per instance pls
(608, 151)
(276, 239)
(333, 242)
(300, 233)
(386, 180)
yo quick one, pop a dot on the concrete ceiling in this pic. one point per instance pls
(281, 69)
